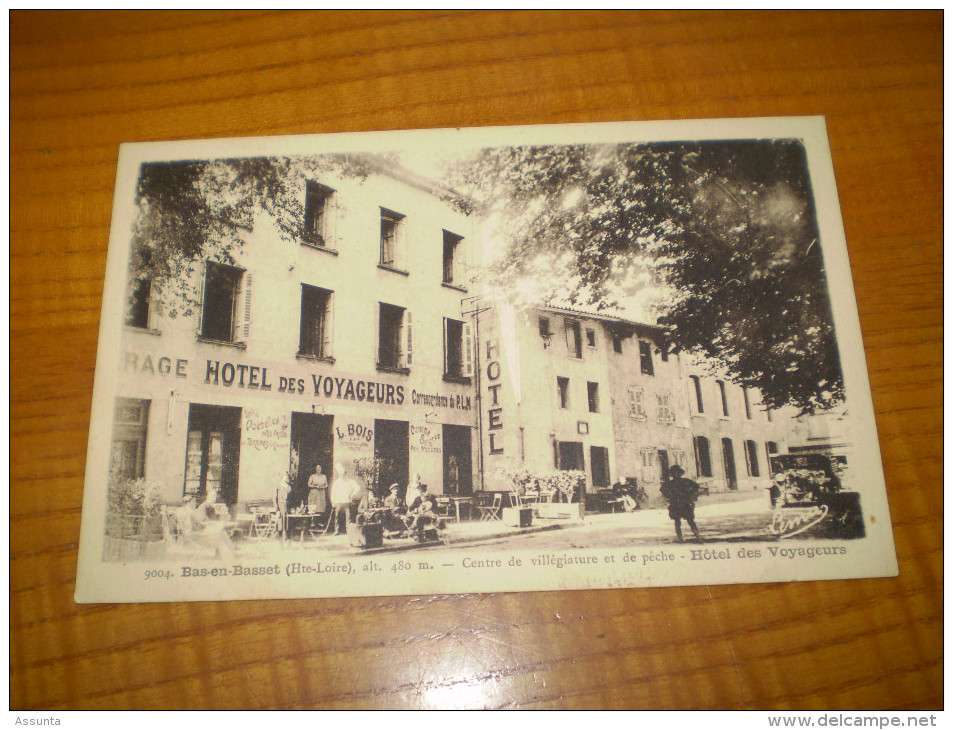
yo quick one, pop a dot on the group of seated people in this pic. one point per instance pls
(802, 485)
(413, 515)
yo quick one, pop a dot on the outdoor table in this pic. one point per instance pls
(457, 501)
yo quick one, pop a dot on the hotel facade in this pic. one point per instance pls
(346, 345)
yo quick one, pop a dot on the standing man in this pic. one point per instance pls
(346, 495)
(681, 494)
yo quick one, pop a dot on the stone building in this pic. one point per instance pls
(345, 345)
(569, 389)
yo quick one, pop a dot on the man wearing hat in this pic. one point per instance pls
(681, 494)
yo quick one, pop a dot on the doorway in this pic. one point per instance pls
(457, 469)
(392, 447)
(312, 440)
(663, 464)
(211, 453)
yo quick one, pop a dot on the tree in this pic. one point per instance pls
(726, 229)
(192, 210)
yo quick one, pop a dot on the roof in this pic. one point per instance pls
(609, 318)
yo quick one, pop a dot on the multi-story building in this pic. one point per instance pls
(346, 345)
(575, 390)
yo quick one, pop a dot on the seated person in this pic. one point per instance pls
(421, 512)
(393, 506)
(202, 526)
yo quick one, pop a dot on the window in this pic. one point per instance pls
(127, 458)
(770, 415)
(663, 352)
(724, 397)
(318, 216)
(699, 402)
(451, 249)
(544, 330)
(617, 344)
(391, 225)
(395, 341)
(645, 357)
(744, 392)
(138, 312)
(590, 337)
(702, 456)
(636, 406)
(599, 460)
(224, 318)
(457, 350)
(593, 389)
(649, 473)
(573, 339)
(665, 414)
(751, 456)
(562, 386)
(771, 448)
(316, 321)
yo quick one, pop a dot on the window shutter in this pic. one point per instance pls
(201, 300)
(328, 325)
(467, 350)
(331, 222)
(446, 349)
(246, 318)
(407, 340)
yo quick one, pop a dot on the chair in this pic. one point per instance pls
(515, 500)
(492, 510)
(265, 526)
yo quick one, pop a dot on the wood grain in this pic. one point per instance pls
(83, 82)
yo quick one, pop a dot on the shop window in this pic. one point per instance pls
(392, 225)
(137, 314)
(395, 340)
(316, 322)
(744, 393)
(570, 456)
(702, 456)
(599, 459)
(226, 304)
(724, 397)
(452, 246)
(751, 456)
(574, 339)
(590, 337)
(699, 401)
(562, 386)
(457, 350)
(645, 357)
(636, 405)
(593, 389)
(318, 215)
(128, 451)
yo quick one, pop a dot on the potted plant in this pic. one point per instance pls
(133, 520)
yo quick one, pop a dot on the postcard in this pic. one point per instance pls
(471, 360)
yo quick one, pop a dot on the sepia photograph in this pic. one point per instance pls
(529, 358)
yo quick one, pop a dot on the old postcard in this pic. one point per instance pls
(529, 358)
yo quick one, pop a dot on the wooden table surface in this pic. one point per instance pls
(83, 82)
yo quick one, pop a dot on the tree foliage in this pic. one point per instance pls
(727, 230)
(192, 210)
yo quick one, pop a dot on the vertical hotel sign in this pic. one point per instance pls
(500, 376)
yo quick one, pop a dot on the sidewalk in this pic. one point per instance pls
(649, 523)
